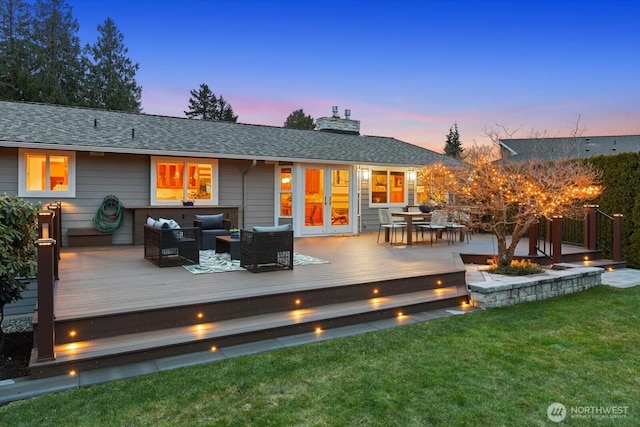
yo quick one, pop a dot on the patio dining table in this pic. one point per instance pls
(409, 217)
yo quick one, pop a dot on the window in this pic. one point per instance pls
(388, 188)
(47, 173)
(285, 191)
(174, 180)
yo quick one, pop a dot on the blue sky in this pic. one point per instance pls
(407, 69)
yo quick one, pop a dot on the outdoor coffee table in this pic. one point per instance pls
(229, 245)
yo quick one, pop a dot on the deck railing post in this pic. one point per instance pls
(46, 253)
(591, 227)
(556, 238)
(56, 208)
(533, 239)
(617, 237)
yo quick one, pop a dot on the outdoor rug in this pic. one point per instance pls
(211, 262)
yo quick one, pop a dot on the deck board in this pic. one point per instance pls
(103, 280)
(125, 309)
(206, 331)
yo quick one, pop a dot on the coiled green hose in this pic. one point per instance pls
(109, 216)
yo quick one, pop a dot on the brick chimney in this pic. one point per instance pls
(336, 124)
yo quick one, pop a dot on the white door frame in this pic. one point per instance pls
(325, 202)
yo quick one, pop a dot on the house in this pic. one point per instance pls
(325, 182)
(571, 147)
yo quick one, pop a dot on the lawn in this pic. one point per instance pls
(489, 368)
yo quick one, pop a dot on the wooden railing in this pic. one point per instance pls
(48, 253)
(597, 231)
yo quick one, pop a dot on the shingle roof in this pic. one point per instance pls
(580, 147)
(84, 129)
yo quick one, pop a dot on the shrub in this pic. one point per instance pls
(517, 268)
(18, 232)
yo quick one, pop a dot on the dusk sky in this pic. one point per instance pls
(405, 69)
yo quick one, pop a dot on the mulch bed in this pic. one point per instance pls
(16, 352)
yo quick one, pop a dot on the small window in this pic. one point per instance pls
(176, 180)
(388, 188)
(286, 196)
(47, 173)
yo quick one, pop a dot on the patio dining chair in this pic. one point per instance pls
(417, 222)
(438, 224)
(461, 224)
(387, 222)
(397, 219)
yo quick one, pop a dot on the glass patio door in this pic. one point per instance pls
(327, 206)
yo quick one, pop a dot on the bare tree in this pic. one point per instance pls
(514, 195)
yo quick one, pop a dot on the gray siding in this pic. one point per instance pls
(230, 185)
(260, 193)
(127, 176)
(27, 304)
(368, 216)
(124, 176)
(9, 171)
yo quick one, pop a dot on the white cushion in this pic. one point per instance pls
(170, 223)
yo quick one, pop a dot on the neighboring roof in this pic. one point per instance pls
(35, 125)
(578, 147)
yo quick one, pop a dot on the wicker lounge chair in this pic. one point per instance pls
(167, 247)
(210, 227)
(266, 249)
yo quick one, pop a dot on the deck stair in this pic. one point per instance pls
(113, 339)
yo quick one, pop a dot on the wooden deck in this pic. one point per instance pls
(113, 307)
(106, 280)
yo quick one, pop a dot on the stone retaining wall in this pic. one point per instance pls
(507, 290)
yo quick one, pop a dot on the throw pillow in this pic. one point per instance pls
(170, 223)
(210, 222)
(275, 228)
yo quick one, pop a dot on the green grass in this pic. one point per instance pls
(489, 368)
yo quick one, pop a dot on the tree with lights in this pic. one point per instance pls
(512, 196)
(436, 180)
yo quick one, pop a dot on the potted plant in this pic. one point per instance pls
(235, 233)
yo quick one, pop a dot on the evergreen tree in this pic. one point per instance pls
(15, 50)
(297, 120)
(453, 146)
(224, 112)
(204, 105)
(110, 80)
(57, 71)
